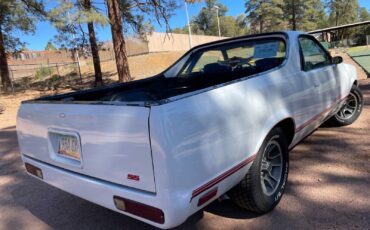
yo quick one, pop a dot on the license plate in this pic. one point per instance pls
(69, 146)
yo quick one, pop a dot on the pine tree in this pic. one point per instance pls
(343, 12)
(305, 15)
(50, 46)
(15, 15)
(135, 16)
(119, 44)
(265, 15)
(70, 19)
(206, 20)
(363, 14)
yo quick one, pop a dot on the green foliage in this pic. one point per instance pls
(229, 26)
(342, 11)
(50, 46)
(54, 78)
(43, 72)
(24, 48)
(18, 16)
(139, 15)
(69, 18)
(265, 15)
(206, 21)
(363, 14)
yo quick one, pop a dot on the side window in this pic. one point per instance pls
(242, 52)
(313, 55)
(235, 59)
(209, 57)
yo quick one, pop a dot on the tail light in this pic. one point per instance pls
(139, 209)
(34, 170)
(206, 197)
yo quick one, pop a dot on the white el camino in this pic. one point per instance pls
(221, 120)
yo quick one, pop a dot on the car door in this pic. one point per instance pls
(317, 67)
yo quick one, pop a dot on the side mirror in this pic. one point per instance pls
(337, 60)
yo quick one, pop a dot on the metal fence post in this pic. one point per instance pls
(11, 80)
(57, 69)
(79, 69)
(78, 63)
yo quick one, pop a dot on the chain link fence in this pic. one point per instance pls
(28, 75)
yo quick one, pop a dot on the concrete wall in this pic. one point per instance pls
(134, 46)
(156, 42)
(26, 64)
(162, 42)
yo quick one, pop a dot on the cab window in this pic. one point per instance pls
(236, 59)
(313, 56)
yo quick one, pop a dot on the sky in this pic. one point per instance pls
(46, 32)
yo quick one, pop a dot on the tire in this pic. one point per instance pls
(251, 194)
(355, 102)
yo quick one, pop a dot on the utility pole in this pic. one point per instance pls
(189, 27)
(217, 8)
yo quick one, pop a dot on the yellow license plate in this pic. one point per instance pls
(69, 146)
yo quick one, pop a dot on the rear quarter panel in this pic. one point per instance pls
(197, 138)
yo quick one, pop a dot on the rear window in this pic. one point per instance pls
(236, 59)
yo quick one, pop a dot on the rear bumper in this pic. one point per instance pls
(102, 193)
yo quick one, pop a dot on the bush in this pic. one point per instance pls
(54, 78)
(43, 72)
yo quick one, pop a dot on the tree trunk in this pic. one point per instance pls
(114, 14)
(4, 68)
(294, 20)
(261, 19)
(94, 48)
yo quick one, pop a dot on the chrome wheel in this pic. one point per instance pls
(349, 107)
(271, 167)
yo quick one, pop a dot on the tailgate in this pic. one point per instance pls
(109, 142)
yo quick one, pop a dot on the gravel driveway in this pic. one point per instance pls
(328, 187)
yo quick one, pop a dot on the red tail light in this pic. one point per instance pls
(34, 170)
(206, 197)
(139, 209)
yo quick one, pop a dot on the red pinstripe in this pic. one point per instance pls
(305, 124)
(239, 166)
(221, 177)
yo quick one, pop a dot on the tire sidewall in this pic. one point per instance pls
(356, 91)
(263, 201)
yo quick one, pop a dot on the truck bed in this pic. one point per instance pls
(152, 89)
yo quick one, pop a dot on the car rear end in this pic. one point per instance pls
(101, 153)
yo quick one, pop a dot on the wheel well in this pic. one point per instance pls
(288, 127)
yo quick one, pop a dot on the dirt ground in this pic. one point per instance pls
(328, 187)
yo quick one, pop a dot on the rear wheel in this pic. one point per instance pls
(350, 110)
(263, 186)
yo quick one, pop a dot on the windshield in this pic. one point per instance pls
(236, 59)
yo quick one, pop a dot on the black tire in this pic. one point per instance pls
(355, 97)
(250, 193)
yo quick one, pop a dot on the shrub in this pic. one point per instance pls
(54, 77)
(43, 72)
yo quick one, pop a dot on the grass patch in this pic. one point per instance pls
(358, 49)
(361, 55)
(43, 72)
